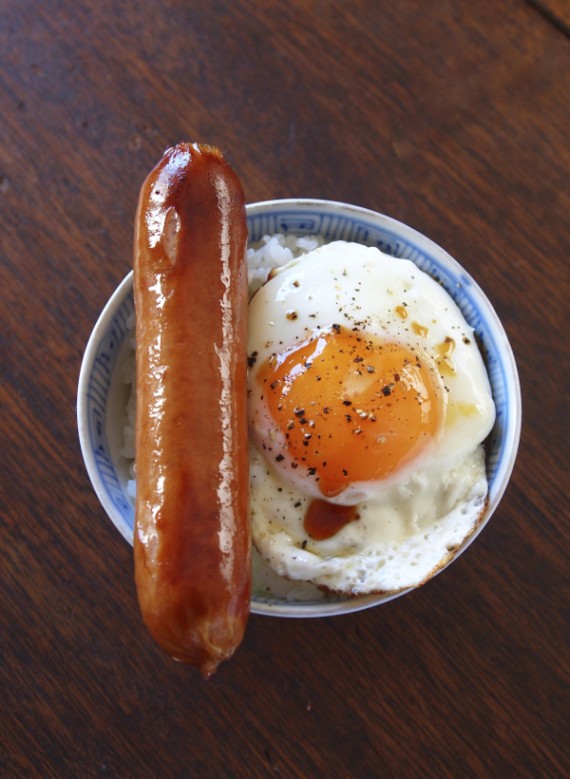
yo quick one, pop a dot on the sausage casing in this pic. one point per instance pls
(192, 540)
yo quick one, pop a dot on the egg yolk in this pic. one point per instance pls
(350, 408)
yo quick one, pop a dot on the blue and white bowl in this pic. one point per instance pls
(102, 393)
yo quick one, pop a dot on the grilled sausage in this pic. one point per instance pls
(192, 537)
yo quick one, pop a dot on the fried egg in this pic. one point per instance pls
(368, 405)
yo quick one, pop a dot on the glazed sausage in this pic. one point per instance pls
(192, 536)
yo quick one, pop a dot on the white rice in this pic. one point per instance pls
(273, 251)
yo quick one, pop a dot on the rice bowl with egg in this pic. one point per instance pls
(397, 539)
(103, 394)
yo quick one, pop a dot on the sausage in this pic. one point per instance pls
(192, 540)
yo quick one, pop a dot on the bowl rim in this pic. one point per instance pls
(104, 320)
(512, 433)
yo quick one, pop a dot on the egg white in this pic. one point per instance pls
(412, 522)
(401, 539)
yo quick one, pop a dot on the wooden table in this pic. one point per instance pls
(451, 116)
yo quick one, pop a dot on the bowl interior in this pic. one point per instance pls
(103, 393)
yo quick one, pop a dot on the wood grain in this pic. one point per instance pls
(451, 116)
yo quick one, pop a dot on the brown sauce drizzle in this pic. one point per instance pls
(323, 520)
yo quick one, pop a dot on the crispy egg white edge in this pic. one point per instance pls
(357, 560)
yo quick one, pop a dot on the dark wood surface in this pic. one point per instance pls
(452, 116)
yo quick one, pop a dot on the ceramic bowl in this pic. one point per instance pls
(102, 392)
